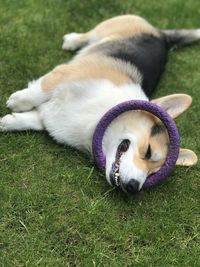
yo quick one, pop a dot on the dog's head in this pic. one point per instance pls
(136, 144)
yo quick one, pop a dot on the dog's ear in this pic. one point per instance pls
(186, 157)
(174, 104)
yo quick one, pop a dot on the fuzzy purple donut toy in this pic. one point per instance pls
(174, 139)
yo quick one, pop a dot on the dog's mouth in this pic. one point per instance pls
(115, 175)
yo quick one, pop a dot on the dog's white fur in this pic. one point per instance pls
(71, 110)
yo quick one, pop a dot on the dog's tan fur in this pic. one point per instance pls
(122, 27)
(85, 68)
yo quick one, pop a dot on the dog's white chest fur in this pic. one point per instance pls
(74, 110)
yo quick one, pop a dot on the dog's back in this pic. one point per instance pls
(146, 54)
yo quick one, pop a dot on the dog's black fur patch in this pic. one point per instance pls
(147, 53)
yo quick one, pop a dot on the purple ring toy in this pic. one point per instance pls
(174, 140)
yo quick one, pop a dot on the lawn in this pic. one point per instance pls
(56, 208)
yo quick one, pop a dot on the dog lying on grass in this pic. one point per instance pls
(120, 59)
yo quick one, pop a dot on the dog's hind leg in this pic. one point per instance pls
(21, 121)
(29, 98)
(121, 26)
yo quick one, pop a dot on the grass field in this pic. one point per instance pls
(56, 209)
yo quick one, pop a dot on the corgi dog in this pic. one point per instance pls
(120, 59)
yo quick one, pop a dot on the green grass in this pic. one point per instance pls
(56, 209)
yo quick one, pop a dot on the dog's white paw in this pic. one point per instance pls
(6, 122)
(71, 41)
(18, 101)
(14, 101)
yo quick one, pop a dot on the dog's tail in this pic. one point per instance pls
(178, 38)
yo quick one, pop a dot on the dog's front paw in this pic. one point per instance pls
(6, 122)
(14, 101)
(18, 101)
(71, 41)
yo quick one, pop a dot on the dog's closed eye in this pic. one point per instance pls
(148, 153)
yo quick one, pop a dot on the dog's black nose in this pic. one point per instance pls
(132, 186)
